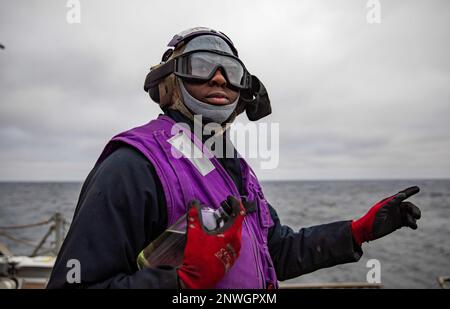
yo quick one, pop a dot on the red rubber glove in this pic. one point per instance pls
(209, 255)
(387, 216)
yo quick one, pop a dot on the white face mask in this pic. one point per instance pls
(216, 113)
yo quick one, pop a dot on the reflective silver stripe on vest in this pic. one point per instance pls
(192, 152)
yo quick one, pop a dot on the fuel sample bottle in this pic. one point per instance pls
(168, 248)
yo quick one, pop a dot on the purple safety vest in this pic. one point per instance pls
(206, 180)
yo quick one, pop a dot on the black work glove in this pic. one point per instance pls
(387, 216)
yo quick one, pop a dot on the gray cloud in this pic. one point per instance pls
(354, 100)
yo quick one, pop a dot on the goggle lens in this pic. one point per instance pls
(203, 65)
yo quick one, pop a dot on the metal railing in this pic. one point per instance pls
(443, 281)
(57, 227)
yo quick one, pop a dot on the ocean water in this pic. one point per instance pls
(408, 259)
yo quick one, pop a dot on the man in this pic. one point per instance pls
(140, 186)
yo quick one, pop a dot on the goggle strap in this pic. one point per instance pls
(156, 75)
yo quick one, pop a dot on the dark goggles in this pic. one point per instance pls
(201, 65)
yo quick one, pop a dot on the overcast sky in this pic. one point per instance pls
(353, 99)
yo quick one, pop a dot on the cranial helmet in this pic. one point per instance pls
(195, 55)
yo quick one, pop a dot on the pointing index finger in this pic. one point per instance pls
(403, 195)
